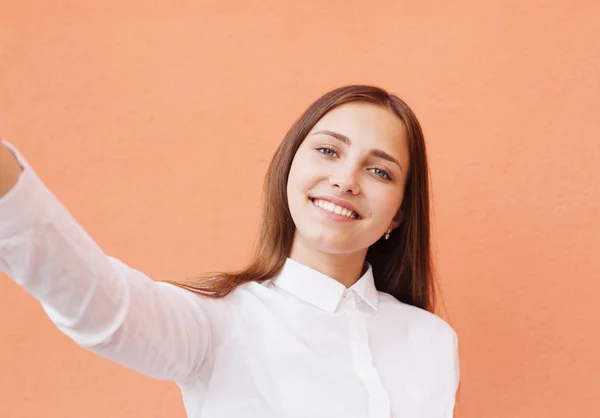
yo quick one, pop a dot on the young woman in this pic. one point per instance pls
(331, 318)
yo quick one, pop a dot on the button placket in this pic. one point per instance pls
(379, 402)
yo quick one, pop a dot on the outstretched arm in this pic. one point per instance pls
(101, 303)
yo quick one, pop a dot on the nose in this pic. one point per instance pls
(345, 179)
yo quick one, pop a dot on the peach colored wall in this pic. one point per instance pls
(154, 121)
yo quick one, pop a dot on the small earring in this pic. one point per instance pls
(387, 234)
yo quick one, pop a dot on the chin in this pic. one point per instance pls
(334, 246)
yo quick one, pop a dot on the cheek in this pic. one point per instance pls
(297, 185)
(303, 174)
(385, 205)
(295, 179)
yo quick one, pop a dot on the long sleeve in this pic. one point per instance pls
(98, 301)
(449, 400)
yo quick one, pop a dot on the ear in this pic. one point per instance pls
(398, 219)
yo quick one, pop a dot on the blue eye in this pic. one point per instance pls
(379, 172)
(320, 149)
(385, 174)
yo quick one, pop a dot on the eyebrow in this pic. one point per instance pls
(375, 152)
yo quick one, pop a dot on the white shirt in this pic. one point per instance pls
(299, 345)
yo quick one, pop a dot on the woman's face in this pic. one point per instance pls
(356, 156)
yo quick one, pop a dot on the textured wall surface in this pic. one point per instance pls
(154, 122)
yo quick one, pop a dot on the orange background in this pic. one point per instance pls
(154, 122)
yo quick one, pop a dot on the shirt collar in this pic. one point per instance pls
(321, 290)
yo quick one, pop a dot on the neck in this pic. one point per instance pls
(346, 268)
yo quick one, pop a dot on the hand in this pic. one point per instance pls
(10, 169)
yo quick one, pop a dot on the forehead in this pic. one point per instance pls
(367, 125)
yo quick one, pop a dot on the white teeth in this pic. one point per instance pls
(328, 206)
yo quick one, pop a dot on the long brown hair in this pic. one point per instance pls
(402, 265)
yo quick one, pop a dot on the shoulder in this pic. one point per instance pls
(418, 323)
(431, 340)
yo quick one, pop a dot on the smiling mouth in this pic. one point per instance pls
(339, 210)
